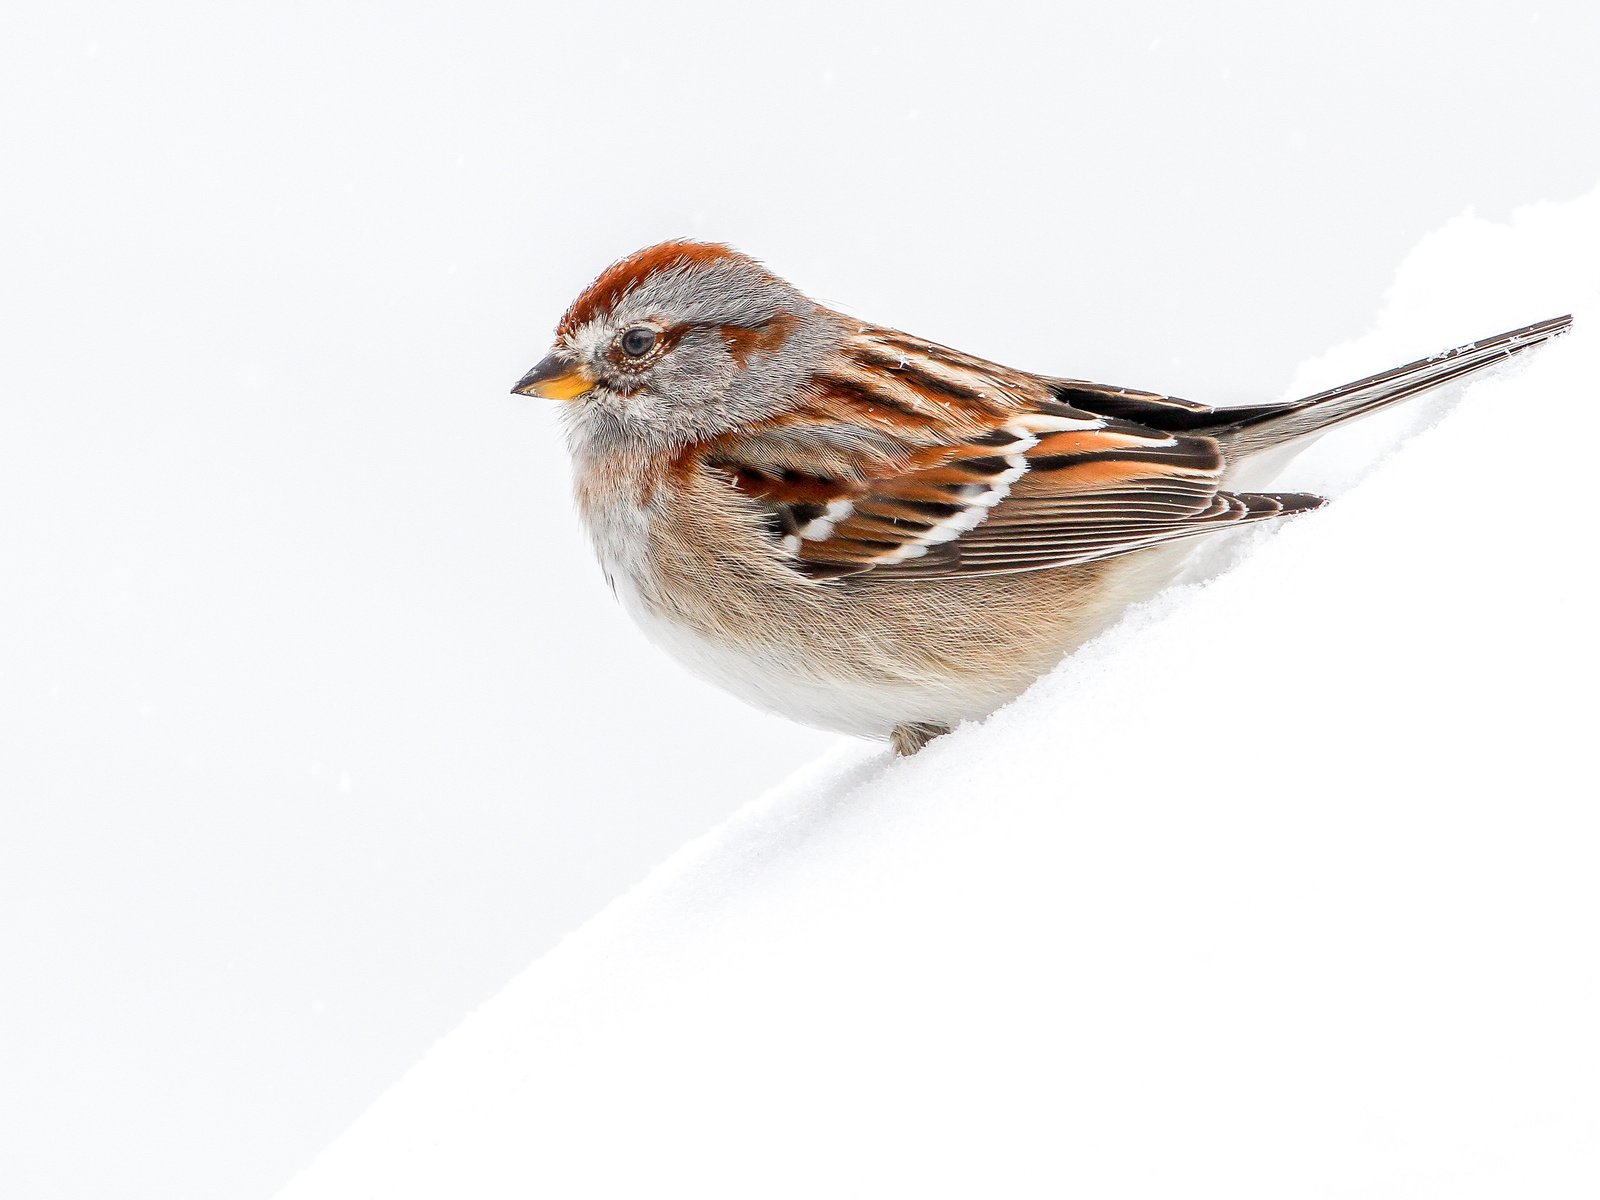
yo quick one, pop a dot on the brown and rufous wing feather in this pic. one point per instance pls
(911, 460)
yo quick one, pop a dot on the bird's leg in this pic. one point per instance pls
(908, 739)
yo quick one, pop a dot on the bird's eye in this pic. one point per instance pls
(636, 343)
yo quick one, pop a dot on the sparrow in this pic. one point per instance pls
(869, 532)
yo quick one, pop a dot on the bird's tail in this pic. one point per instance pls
(1274, 425)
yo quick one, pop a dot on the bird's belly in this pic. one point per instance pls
(906, 662)
(778, 675)
(865, 657)
(765, 637)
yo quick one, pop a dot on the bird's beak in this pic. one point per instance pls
(557, 377)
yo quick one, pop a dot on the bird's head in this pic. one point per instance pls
(682, 341)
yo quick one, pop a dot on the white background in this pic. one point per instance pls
(316, 721)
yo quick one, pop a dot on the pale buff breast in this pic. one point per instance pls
(695, 569)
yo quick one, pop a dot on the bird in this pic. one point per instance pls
(875, 534)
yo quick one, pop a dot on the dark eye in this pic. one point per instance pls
(636, 343)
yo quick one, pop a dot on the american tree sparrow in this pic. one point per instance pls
(872, 533)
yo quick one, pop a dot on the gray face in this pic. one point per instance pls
(691, 351)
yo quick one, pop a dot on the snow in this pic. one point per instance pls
(311, 732)
(1284, 887)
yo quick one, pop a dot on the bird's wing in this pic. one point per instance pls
(911, 460)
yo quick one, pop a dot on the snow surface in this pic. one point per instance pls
(1285, 887)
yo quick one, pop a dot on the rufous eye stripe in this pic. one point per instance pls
(744, 342)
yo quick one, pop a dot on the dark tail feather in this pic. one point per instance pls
(1273, 426)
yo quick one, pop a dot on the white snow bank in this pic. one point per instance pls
(1287, 887)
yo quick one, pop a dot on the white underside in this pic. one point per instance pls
(777, 679)
(763, 679)
(773, 678)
